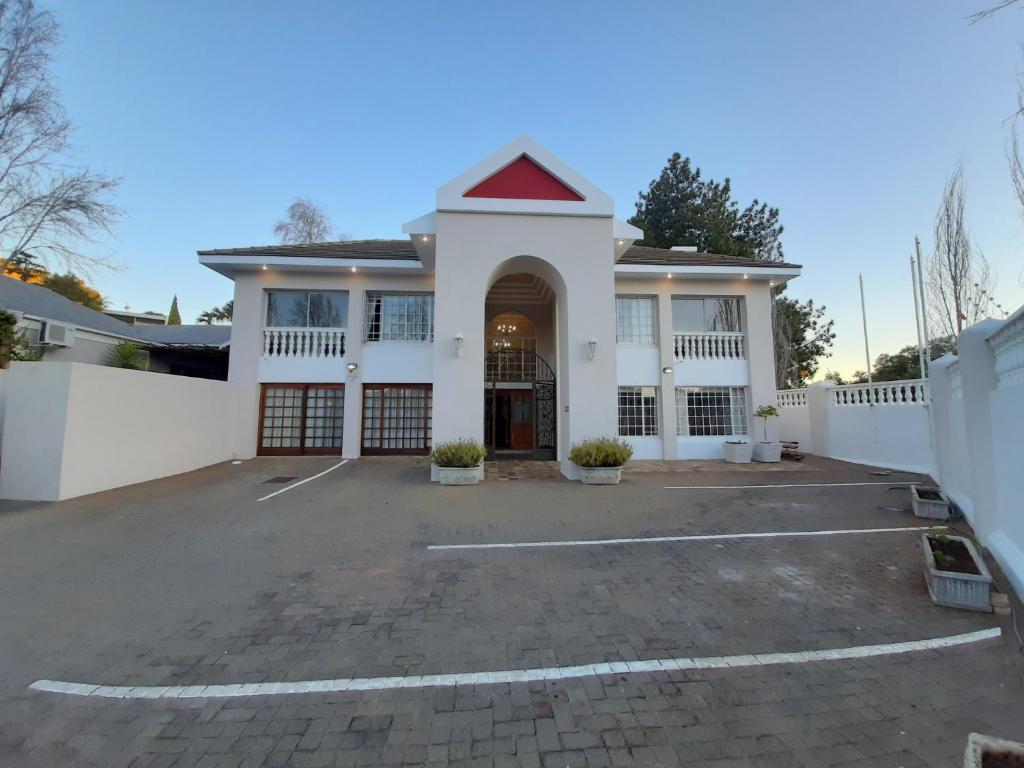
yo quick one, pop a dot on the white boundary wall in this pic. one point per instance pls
(979, 424)
(881, 425)
(72, 428)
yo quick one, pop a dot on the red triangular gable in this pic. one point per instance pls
(523, 179)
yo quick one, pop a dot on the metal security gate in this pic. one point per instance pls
(508, 375)
(396, 419)
(298, 419)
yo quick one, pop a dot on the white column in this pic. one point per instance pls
(761, 357)
(244, 358)
(818, 409)
(667, 356)
(352, 440)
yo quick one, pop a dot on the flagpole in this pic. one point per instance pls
(864, 318)
(917, 320)
(924, 311)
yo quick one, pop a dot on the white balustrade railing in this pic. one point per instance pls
(304, 342)
(1008, 345)
(792, 398)
(882, 393)
(710, 345)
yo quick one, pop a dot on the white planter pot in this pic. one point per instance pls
(958, 590)
(600, 475)
(738, 453)
(979, 745)
(932, 509)
(461, 475)
(769, 453)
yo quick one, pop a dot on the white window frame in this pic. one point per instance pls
(738, 417)
(647, 410)
(410, 336)
(635, 322)
(308, 292)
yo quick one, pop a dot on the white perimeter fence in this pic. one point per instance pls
(964, 426)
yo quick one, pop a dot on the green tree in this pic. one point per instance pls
(803, 335)
(13, 343)
(682, 208)
(906, 363)
(174, 316)
(71, 286)
(128, 355)
(221, 314)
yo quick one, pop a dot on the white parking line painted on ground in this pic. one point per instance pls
(791, 485)
(505, 676)
(695, 537)
(305, 480)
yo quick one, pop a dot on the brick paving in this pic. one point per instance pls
(188, 581)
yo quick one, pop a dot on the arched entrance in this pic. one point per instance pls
(519, 405)
(520, 348)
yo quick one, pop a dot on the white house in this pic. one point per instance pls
(518, 313)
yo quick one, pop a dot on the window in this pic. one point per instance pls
(707, 314)
(302, 418)
(397, 418)
(634, 317)
(307, 309)
(638, 411)
(399, 317)
(704, 411)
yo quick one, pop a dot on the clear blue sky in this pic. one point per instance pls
(847, 116)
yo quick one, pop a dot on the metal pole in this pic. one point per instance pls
(864, 318)
(917, 320)
(924, 311)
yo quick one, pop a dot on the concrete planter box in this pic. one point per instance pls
(600, 475)
(737, 453)
(958, 590)
(461, 475)
(932, 509)
(768, 453)
(979, 746)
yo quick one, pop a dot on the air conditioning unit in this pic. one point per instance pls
(57, 334)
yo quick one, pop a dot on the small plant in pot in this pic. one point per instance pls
(956, 575)
(764, 450)
(600, 459)
(737, 451)
(459, 462)
(989, 752)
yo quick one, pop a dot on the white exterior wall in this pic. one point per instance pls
(4, 379)
(978, 423)
(893, 435)
(574, 255)
(74, 428)
(642, 365)
(379, 362)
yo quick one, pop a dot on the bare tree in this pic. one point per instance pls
(307, 223)
(46, 203)
(974, 18)
(959, 280)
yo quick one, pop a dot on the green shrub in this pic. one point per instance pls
(458, 453)
(601, 452)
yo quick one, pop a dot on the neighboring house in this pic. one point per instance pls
(518, 313)
(61, 330)
(137, 318)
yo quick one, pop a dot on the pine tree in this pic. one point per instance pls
(174, 316)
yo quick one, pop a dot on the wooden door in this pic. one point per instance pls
(521, 419)
(298, 419)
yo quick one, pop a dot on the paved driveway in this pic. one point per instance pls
(191, 581)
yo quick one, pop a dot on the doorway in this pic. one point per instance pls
(512, 419)
(519, 405)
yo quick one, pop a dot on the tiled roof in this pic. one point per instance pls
(37, 301)
(666, 257)
(348, 249)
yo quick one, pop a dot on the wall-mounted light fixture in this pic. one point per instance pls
(667, 369)
(592, 348)
(352, 367)
(459, 340)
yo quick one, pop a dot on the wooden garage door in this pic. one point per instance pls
(301, 419)
(396, 418)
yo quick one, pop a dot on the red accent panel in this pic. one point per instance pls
(523, 179)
